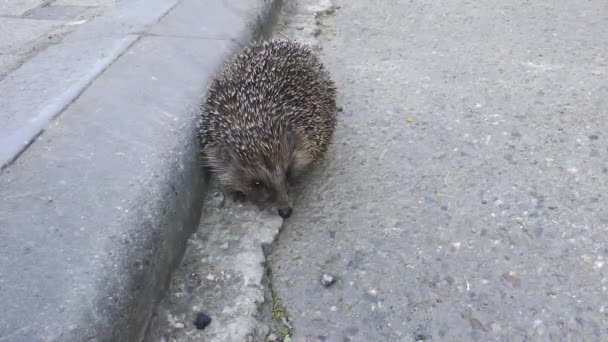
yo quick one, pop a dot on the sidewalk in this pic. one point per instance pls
(30, 26)
(100, 184)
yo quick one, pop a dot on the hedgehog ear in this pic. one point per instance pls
(217, 155)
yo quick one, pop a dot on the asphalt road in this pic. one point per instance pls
(465, 195)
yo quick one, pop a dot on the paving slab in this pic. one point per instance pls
(38, 29)
(206, 24)
(16, 32)
(19, 7)
(31, 101)
(55, 12)
(86, 3)
(7, 62)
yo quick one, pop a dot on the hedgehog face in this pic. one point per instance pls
(264, 183)
(264, 178)
(265, 187)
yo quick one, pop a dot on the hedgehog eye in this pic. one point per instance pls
(256, 184)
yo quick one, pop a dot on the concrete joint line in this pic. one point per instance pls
(16, 142)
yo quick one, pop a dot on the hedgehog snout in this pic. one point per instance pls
(283, 205)
(285, 212)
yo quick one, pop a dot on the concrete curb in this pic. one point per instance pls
(95, 214)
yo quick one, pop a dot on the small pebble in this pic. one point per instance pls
(272, 337)
(179, 325)
(327, 280)
(202, 321)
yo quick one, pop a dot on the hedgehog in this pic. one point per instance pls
(269, 116)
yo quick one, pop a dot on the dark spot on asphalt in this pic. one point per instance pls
(593, 137)
(421, 337)
(202, 321)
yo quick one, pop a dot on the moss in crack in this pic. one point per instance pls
(283, 331)
(279, 313)
(327, 12)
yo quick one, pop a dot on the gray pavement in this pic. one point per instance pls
(465, 197)
(29, 26)
(101, 184)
